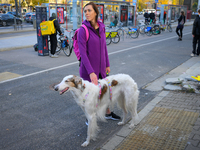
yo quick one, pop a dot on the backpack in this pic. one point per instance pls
(75, 41)
(47, 27)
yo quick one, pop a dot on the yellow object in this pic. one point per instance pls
(197, 78)
(107, 34)
(47, 27)
(113, 34)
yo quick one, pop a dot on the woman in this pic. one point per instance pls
(94, 56)
(181, 22)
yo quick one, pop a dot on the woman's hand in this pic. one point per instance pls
(107, 70)
(93, 78)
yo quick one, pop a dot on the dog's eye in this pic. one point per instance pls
(66, 81)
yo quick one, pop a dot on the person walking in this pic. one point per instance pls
(94, 63)
(196, 35)
(146, 16)
(53, 37)
(181, 22)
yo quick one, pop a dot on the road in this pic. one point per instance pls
(33, 116)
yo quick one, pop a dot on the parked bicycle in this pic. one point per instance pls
(62, 45)
(112, 36)
(167, 27)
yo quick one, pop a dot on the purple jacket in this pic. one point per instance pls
(94, 55)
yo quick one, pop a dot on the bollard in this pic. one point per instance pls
(15, 24)
(34, 23)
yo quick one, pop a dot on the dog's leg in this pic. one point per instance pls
(133, 111)
(92, 128)
(121, 104)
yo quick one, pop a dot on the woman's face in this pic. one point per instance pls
(90, 14)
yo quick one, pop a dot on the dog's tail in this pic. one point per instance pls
(101, 110)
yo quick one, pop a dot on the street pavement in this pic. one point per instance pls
(35, 117)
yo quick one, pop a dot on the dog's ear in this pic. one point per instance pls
(77, 81)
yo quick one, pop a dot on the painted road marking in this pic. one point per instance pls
(5, 76)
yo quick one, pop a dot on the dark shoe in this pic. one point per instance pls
(179, 39)
(112, 116)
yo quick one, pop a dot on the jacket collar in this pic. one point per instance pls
(101, 25)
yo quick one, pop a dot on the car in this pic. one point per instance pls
(28, 17)
(13, 13)
(8, 19)
(33, 17)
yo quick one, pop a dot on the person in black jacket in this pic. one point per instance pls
(146, 16)
(196, 35)
(152, 16)
(53, 37)
(181, 22)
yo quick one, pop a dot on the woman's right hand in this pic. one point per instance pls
(93, 78)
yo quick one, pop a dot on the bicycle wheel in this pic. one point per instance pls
(142, 29)
(156, 30)
(120, 32)
(108, 40)
(67, 50)
(57, 48)
(134, 34)
(149, 33)
(116, 39)
(169, 28)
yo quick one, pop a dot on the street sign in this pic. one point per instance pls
(156, 1)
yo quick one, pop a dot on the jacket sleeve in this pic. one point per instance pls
(106, 53)
(57, 26)
(194, 26)
(82, 41)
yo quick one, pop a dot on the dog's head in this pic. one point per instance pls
(67, 83)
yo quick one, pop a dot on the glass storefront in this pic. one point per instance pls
(111, 9)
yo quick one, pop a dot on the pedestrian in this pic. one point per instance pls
(152, 17)
(196, 35)
(115, 22)
(53, 37)
(94, 63)
(164, 18)
(146, 16)
(181, 22)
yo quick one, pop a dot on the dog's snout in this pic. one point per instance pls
(56, 88)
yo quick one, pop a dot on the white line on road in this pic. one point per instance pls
(119, 51)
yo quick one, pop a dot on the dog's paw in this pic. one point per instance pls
(120, 123)
(131, 126)
(85, 144)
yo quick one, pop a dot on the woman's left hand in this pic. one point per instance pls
(108, 70)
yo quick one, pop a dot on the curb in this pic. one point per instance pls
(116, 139)
(18, 31)
(15, 48)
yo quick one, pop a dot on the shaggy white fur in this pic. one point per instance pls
(124, 91)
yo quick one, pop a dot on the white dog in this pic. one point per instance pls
(94, 100)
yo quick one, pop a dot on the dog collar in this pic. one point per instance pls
(109, 84)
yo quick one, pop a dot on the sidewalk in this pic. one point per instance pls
(170, 121)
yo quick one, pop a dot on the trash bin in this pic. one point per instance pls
(189, 14)
(34, 23)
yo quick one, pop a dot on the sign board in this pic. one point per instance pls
(101, 12)
(147, 3)
(156, 1)
(41, 15)
(124, 15)
(60, 15)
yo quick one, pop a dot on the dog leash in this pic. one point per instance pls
(109, 84)
(99, 94)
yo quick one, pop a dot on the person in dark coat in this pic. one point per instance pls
(146, 16)
(181, 22)
(196, 35)
(152, 16)
(53, 37)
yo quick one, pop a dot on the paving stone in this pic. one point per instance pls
(196, 137)
(190, 110)
(191, 147)
(193, 142)
(174, 80)
(189, 78)
(172, 87)
(197, 128)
